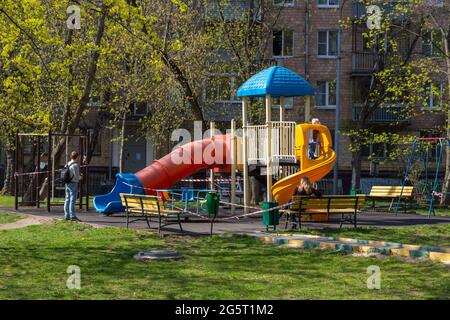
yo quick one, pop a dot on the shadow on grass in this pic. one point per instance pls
(35, 261)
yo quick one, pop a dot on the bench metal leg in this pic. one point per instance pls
(179, 222)
(128, 219)
(147, 219)
(159, 224)
(390, 206)
(354, 219)
(342, 220)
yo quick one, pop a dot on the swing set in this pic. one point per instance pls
(428, 151)
(37, 180)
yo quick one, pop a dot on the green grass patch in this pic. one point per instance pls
(422, 235)
(7, 201)
(440, 212)
(6, 217)
(34, 262)
(422, 209)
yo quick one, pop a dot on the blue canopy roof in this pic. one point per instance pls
(276, 81)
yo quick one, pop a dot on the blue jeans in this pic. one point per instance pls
(70, 200)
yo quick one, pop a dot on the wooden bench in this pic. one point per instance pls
(149, 206)
(391, 192)
(328, 205)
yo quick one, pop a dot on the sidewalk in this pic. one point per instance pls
(197, 226)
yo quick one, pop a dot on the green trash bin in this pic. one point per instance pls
(354, 192)
(270, 217)
(212, 203)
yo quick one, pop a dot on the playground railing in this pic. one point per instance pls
(186, 196)
(282, 142)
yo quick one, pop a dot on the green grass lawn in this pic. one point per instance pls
(422, 235)
(383, 206)
(34, 261)
(9, 217)
(7, 201)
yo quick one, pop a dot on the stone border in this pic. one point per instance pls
(349, 245)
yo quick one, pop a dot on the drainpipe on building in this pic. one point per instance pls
(307, 99)
(338, 106)
(307, 39)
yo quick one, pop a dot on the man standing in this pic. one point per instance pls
(71, 179)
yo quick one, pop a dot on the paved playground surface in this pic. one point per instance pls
(198, 226)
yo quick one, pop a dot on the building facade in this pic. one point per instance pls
(305, 40)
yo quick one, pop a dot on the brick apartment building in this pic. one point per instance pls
(309, 47)
(305, 41)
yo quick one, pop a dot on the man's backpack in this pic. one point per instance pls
(65, 174)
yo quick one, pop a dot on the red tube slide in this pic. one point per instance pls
(185, 161)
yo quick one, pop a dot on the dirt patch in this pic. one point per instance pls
(25, 222)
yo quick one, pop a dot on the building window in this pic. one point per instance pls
(378, 151)
(327, 43)
(433, 96)
(221, 89)
(435, 3)
(326, 94)
(328, 3)
(432, 44)
(283, 43)
(139, 108)
(283, 3)
(288, 102)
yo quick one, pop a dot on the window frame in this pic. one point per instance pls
(135, 107)
(233, 90)
(284, 4)
(433, 52)
(327, 55)
(372, 157)
(430, 97)
(286, 106)
(327, 96)
(328, 5)
(283, 55)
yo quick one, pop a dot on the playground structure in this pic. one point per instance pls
(269, 147)
(36, 174)
(428, 151)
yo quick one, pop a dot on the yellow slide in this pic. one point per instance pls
(314, 169)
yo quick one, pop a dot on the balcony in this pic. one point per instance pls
(359, 9)
(363, 62)
(233, 10)
(382, 115)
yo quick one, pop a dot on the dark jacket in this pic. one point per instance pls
(314, 192)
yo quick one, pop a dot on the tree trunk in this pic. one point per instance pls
(122, 142)
(92, 71)
(8, 184)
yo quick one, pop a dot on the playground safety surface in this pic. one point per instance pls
(198, 226)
